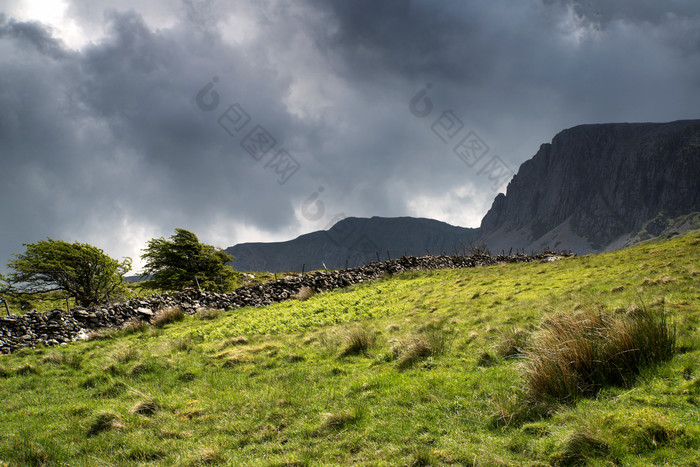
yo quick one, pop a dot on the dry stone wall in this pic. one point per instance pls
(59, 327)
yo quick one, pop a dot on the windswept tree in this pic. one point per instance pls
(182, 261)
(79, 269)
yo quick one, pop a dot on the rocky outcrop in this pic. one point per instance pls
(60, 326)
(597, 183)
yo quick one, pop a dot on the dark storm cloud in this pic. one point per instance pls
(107, 143)
(113, 132)
(32, 35)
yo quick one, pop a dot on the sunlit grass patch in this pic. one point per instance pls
(253, 386)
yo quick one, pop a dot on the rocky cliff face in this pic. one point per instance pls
(594, 185)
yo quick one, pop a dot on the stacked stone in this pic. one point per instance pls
(60, 326)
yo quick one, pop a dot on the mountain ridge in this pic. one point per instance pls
(594, 187)
(352, 241)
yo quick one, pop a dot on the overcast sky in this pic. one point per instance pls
(261, 120)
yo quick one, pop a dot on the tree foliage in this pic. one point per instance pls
(182, 261)
(79, 269)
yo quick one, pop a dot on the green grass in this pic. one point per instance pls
(421, 368)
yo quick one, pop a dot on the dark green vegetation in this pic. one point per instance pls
(424, 368)
(183, 262)
(80, 270)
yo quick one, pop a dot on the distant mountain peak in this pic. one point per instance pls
(353, 241)
(594, 187)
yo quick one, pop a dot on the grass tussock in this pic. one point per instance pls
(575, 355)
(104, 421)
(208, 456)
(168, 315)
(26, 369)
(145, 407)
(28, 452)
(358, 340)
(422, 457)
(182, 344)
(134, 325)
(63, 359)
(209, 313)
(125, 354)
(234, 341)
(514, 342)
(340, 420)
(102, 334)
(578, 448)
(412, 349)
(304, 293)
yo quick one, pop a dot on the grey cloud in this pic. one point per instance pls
(31, 35)
(107, 144)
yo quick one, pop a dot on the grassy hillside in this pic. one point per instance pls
(417, 369)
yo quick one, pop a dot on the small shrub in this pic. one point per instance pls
(168, 315)
(358, 340)
(104, 421)
(575, 355)
(304, 293)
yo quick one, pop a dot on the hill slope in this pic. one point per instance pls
(290, 384)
